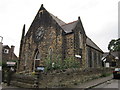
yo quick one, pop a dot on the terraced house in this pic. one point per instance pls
(48, 36)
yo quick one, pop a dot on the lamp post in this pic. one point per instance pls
(1, 48)
(1, 74)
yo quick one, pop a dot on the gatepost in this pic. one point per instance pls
(38, 71)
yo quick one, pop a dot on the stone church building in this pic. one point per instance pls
(48, 36)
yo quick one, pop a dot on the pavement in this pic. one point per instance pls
(0, 76)
(95, 82)
(4, 86)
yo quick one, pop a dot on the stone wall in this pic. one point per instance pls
(93, 58)
(49, 46)
(60, 78)
(69, 45)
(80, 44)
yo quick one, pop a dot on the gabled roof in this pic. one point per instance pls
(60, 22)
(105, 54)
(6, 46)
(115, 54)
(66, 27)
(90, 43)
(69, 27)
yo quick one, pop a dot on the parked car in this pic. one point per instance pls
(116, 73)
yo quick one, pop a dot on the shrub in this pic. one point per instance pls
(57, 63)
(33, 73)
(104, 74)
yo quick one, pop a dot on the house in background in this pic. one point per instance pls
(110, 59)
(48, 36)
(8, 55)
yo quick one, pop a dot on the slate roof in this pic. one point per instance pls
(60, 22)
(66, 27)
(115, 54)
(90, 43)
(5, 46)
(105, 54)
(69, 27)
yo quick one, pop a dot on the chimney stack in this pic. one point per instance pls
(12, 51)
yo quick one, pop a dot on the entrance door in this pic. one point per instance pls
(37, 63)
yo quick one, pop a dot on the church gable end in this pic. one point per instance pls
(43, 34)
(80, 42)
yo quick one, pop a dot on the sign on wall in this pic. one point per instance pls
(11, 63)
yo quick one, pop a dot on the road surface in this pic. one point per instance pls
(0, 76)
(114, 83)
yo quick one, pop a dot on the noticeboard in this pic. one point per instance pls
(11, 63)
(40, 68)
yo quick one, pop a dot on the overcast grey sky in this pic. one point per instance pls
(99, 18)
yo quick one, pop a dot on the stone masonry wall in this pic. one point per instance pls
(60, 78)
(69, 45)
(93, 58)
(51, 41)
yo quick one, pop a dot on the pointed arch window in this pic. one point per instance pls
(37, 56)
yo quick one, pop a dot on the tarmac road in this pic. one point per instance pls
(114, 83)
(0, 76)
